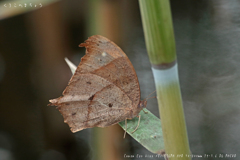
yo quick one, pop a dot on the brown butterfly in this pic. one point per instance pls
(104, 89)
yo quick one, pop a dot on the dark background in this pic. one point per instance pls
(33, 45)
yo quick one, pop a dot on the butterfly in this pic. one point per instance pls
(104, 89)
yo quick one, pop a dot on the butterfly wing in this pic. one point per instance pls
(103, 91)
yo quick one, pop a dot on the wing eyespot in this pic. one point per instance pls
(110, 105)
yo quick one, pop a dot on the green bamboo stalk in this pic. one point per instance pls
(93, 17)
(103, 140)
(158, 31)
(93, 25)
(160, 43)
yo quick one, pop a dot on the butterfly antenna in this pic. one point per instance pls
(151, 97)
(150, 94)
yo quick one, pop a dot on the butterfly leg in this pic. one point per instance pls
(139, 116)
(125, 128)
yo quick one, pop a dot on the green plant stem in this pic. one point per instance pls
(158, 31)
(160, 43)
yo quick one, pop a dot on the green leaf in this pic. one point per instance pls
(149, 132)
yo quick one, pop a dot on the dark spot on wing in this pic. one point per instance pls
(91, 98)
(73, 114)
(89, 83)
(110, 105)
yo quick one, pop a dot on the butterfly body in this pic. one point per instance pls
(104, 89)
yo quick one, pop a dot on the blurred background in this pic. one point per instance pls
(35, 36)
